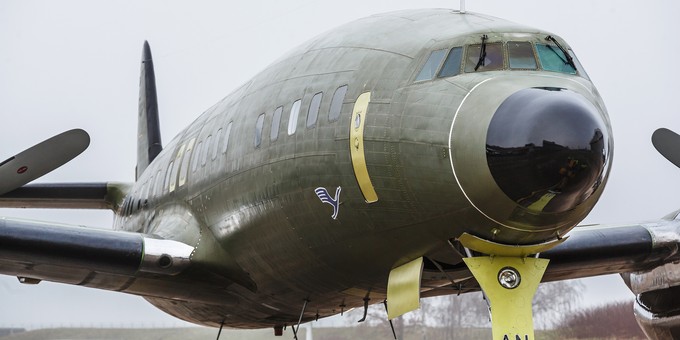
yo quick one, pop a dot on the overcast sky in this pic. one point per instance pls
(70, 64)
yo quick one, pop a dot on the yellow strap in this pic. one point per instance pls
(403, 288)
(511, 314)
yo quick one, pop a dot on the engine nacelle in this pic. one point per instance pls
(657, 303)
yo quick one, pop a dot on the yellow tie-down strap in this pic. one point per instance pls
(511, 314)
(356, 147)
(403, 288)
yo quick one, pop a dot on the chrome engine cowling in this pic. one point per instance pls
(657, 290)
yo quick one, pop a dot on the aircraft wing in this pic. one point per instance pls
(134, 263)
(35, 251)
(588, 251)
(598, 250)
(66, 196)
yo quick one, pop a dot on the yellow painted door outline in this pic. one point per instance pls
(356, 146)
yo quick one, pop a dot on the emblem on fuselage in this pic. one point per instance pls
(325, 197)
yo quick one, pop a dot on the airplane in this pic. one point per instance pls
(329, 197)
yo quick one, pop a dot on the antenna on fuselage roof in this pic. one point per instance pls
(462, 6)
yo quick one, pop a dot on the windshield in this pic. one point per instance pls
(493, 59)
(509, 55)
(521, 55)
(431, 65)
(552, 59)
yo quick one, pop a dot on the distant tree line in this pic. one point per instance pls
(611, 321)
(557, 314)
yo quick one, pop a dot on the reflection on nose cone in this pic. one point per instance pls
(547, 149)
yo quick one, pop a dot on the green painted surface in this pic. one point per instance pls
(264, 241)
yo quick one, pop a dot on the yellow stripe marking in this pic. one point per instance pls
(356, 146)
(497, 249)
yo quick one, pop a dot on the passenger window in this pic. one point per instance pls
(313, 113)
(431, 65)
(197, 153)
(493, 60)
(158, 187)
(276, 124)
(452, 64)
(131, 205)
(152, 183)
(147, 193)
(552, 59)
(204, 152)
(175, 168)
(167, 176)
(126, 206)
(218, 139)
(292, 120)
(336, 103)
(258, 130)
(142, 195)
(521, 55)
(184, 169)
(226, 138)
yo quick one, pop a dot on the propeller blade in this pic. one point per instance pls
(41, 159)
(667, 143)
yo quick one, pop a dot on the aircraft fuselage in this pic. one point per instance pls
(420, 162)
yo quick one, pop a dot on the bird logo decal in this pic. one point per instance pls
(325, 197)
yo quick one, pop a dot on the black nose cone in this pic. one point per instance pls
(547, 149)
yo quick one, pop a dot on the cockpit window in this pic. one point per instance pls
(432, 65)
(579, 67)
(452, 64)
(552, 59)
(510, 55)
(521, 55)
(492, 61)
